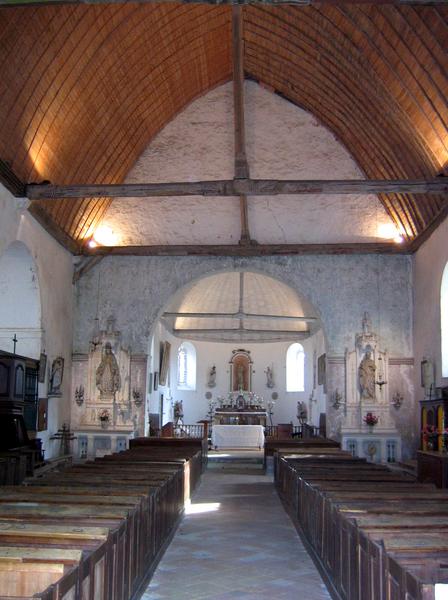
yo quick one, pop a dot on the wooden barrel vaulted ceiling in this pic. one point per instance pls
(84, 89)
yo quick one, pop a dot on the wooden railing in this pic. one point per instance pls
(192, 431)
(198, 430)
(296, 431)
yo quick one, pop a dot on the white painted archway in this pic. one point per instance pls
(20, 304)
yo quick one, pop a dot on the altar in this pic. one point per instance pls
(238, 436)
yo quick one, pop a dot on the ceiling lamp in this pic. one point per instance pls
(104, 236)
(390, 232)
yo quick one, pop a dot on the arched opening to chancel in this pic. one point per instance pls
(241, 325)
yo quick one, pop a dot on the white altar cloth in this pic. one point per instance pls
(238, 436)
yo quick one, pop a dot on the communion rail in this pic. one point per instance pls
(291, 431)
(198, 430)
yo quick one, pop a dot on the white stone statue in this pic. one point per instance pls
(366, 374)
(269, 377)
(427, 376)
(240, 376)
(108, 379)
(211, 383)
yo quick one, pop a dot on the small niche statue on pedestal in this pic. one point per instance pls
(366, 373)
(269, 377)
(211, 383)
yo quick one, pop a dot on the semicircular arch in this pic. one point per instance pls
(20, 302)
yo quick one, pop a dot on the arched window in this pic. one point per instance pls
(295, 368)
(186, 367)
(444, 320)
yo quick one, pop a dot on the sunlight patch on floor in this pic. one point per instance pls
(204, 507)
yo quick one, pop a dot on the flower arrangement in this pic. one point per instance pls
(429, 436)
(370, 419)
(104, 415)
(445, 439)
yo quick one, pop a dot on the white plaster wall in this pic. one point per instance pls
(429, 263)
(19, 319)
(137, 289)
(283, 142)
(54, 267)
(208, 354)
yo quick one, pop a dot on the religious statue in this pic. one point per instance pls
(240, 377)
(427, 376)
(212, 377)
(269, 377)
(302, 412)
(108, 379)
(178, 411)
(366, 373)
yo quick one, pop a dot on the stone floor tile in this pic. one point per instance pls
(246, 550)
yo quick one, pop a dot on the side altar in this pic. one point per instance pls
(108, 392)
(367, 428)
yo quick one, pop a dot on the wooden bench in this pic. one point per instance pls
(376, 534)
(117, 513)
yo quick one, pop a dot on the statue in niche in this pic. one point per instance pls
(366, 373)
(269, 377)
(240, 377)
(427, 376)
(212, 377)
(108, 379)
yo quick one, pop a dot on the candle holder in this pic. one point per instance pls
(381, 380)
(270, 411)
(337, 402)
(137, 396)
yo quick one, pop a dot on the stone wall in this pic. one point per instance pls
(54, 270)
(341, 288)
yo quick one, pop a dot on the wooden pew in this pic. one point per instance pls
(117, 513)
(272, 445)
(376, 534)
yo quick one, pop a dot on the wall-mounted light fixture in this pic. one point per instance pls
(397, 400)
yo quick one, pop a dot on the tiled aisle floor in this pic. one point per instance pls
(245, 549)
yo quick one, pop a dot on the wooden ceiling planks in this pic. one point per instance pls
(84, 89)
(352, 80)
(127, 71)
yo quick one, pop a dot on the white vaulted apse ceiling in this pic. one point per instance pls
(241, 306)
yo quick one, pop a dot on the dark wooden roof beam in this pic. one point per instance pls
(248, 250)
(238, 187)
(17, 3)
(238, 315)
(10, 180)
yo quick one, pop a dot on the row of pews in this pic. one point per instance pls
(18, 463)
(376, 534)
(95, 531)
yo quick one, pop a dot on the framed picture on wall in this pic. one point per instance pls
(164, 362)
(42, 414)
(321, 368)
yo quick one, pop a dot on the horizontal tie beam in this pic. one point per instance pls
(237, 187)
